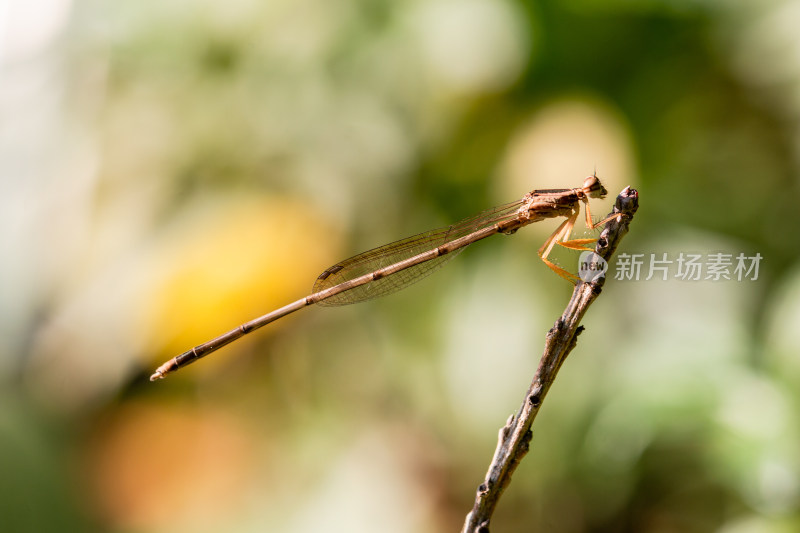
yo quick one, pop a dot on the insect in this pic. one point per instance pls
(397, 265)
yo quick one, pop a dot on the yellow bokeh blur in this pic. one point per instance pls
(233, 260)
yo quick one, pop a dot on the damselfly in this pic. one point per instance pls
(397, 265)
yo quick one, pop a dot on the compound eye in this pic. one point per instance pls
(593, 188)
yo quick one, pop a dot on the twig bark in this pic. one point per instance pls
(514, 438)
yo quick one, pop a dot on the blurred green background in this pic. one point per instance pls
(171, 169)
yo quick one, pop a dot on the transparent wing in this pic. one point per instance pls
(397, 251)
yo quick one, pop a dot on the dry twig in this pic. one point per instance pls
(514, 438)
